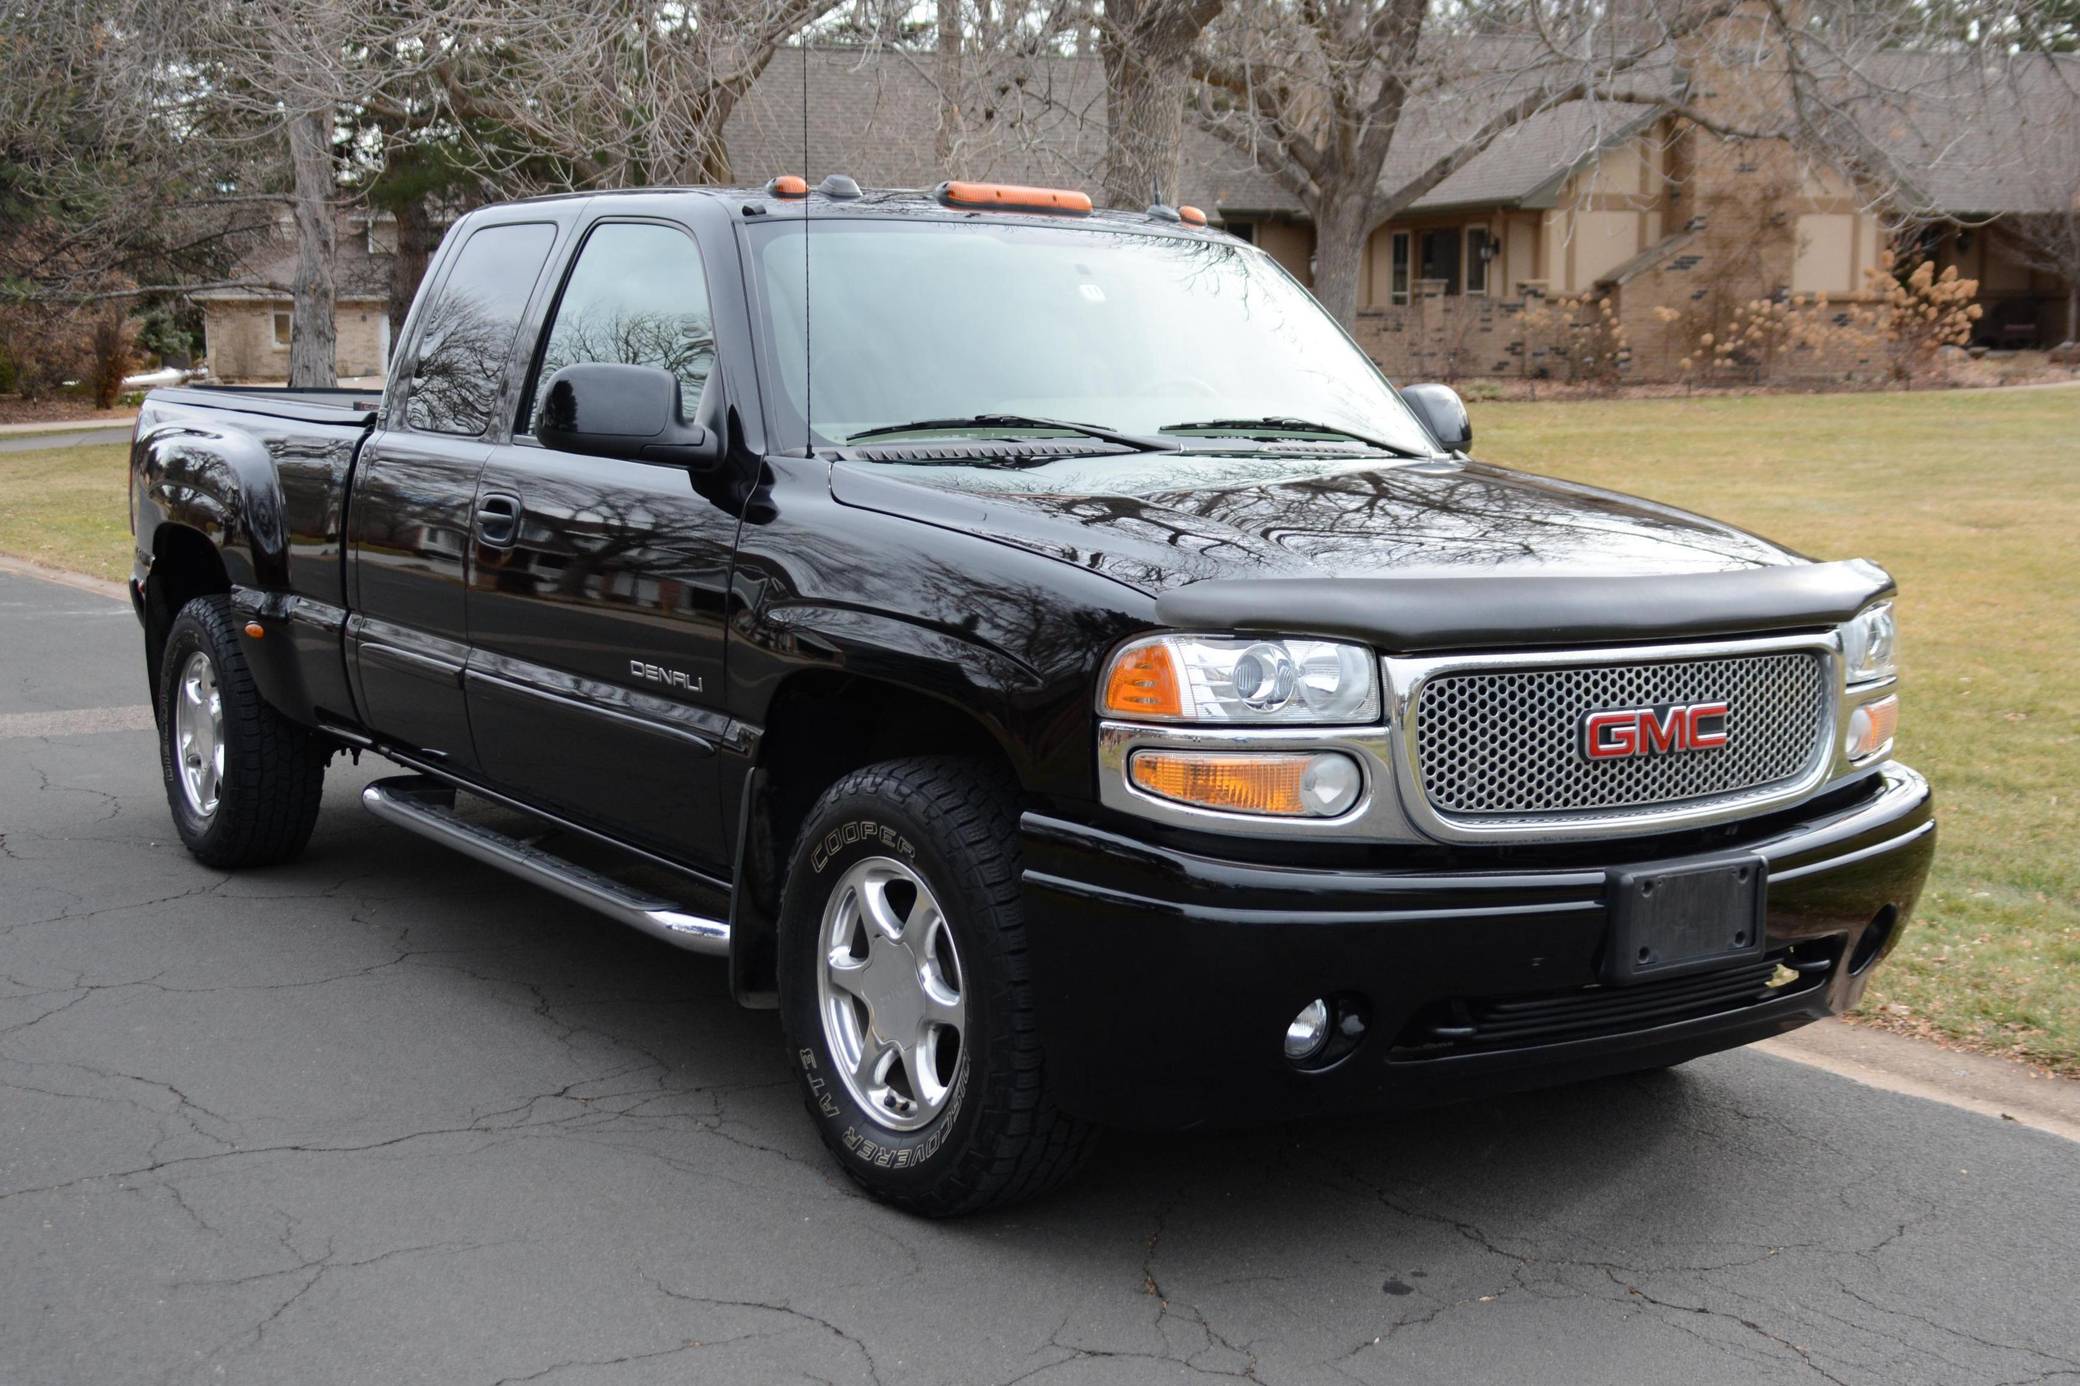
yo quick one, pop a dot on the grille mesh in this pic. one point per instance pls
(1501, 745)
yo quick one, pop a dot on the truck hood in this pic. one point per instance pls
(1407, 556)
(1160, 521)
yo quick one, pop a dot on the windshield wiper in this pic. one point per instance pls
(1024, 422)
(1274, 425)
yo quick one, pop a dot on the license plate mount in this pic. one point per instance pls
(1669, 920)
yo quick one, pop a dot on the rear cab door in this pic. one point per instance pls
(410, 515)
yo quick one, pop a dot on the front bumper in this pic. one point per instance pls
(1165, 978)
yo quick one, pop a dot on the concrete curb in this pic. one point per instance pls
(100, 587)
(2000, 1088)
(90, 424)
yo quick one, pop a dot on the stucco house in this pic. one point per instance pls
(1636, 210)
(1613, 202)
(245, 332)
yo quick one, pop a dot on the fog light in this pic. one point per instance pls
(1871, 728)
(1308, 1031)
(1330, 784)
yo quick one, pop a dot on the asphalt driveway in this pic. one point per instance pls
(387, 1116)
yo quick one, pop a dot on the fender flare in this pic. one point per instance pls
(219, 483)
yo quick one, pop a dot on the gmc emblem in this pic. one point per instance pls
(1615, 733)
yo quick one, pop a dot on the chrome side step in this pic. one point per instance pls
(427, 807)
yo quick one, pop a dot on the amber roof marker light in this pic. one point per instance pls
(788, 185)
(1011, 197)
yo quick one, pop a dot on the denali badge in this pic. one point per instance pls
(1612, 734)
(670, 678)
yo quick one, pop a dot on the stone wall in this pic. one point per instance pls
(1446, 337)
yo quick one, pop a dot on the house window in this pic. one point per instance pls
(281, 330)
(1479, 250)
(1398, 284)
(1243, 231)
(1441, 258)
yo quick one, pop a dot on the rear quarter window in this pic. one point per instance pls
(466, 339)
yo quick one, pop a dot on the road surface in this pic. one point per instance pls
(388, 1116)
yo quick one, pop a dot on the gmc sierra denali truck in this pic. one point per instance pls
(1043, 655)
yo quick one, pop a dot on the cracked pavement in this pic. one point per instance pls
(386, 1115)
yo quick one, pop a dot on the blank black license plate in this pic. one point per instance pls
(1684, 918)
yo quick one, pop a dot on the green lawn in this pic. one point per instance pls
(65, 507)
(1972, 499)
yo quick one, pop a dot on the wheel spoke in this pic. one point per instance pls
(943, 1007)
(875, 907)
(871, 1071)
(846, 973)
(922, 923)
(922, 1059)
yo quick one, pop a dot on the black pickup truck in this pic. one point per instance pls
(1047, 660)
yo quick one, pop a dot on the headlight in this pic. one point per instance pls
(1203, 678)
(1867, 644)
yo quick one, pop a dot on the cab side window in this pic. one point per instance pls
(467, 337)
(636, 297)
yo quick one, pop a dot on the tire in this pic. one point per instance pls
(260, 807)
(977, 1126)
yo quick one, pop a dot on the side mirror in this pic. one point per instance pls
(1443, 413)
(600, 409)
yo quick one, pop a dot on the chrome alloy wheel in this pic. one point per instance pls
(889, 993)
(198, 734)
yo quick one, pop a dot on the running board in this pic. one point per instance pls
(427, 807)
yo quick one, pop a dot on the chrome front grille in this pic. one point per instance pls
(1500, 747)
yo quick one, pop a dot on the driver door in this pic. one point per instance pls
(596, 604)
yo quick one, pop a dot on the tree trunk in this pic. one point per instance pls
(1340, 223)
(313, 343)
(2073, 309)
(1146, 50)
(949, 84)
(416, 238)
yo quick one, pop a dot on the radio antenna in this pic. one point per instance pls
(808, 356)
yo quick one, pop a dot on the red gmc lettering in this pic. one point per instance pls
(1617, 733)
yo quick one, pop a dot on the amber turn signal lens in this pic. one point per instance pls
(254, 630)
(1231, 782)
(1143, 683)
(1011, 197)
(1871, 727)
(788, 185)
(1191, 216)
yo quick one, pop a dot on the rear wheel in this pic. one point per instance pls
(243, 781)
(905, 992)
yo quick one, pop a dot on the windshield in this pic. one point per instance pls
(912, 322)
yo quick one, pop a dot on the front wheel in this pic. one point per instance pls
(906, 995)
(243, 781)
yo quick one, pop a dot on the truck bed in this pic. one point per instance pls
(338, 406)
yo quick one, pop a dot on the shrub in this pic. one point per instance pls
(109, 356)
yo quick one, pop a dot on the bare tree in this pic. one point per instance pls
(271, 80)
(103, 205)
(602, 93)
(1361, 107)
(1146, 47)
